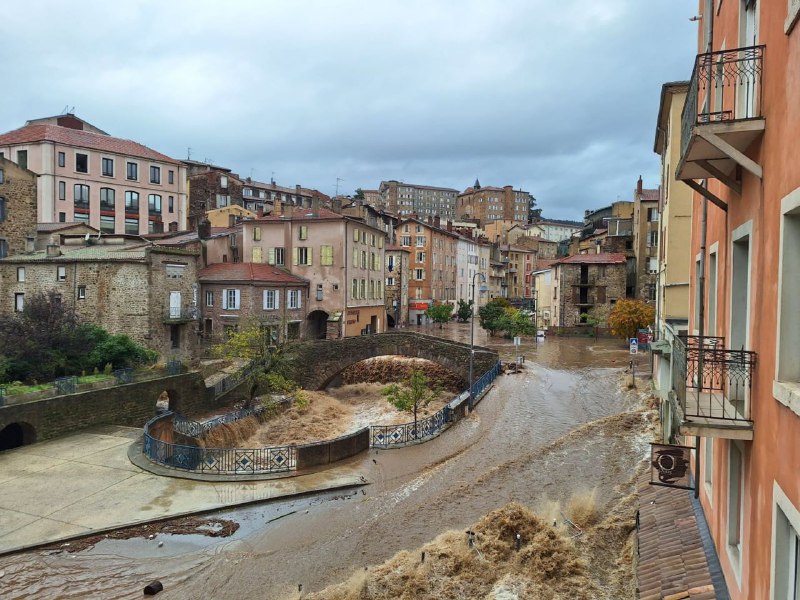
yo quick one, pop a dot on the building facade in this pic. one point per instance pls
(17, 208)
(745, 292)
(397, 276)
(583, 282)
(645, 241)
(488, 204)
(86, 175)
(405, 199)
(543, 286)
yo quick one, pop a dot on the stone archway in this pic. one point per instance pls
(15, 435)
(167, 401)
(317, 325)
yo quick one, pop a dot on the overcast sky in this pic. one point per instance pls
(557, 97)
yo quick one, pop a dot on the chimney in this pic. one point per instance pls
(53, 250)
(277, 207)
(260, 212)
(430, 220)
(288, 211)
(449, 225)
(30, 243)
(336, 205)
(204, 229)
(314, 204)
(639, 186)
(437, 221)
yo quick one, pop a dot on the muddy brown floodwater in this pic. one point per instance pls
(566, 424)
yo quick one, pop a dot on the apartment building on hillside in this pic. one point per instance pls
(86, 175)
(398, 273)
(487, 204)
(645, 241)
(405, 199)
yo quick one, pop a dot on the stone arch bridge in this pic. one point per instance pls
(316, 363)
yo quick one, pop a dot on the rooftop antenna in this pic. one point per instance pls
(272, 178)
(338, 179)
(188, 154)
(65, 110)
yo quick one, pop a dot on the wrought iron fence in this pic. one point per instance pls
(174, 366)
(66, 385)
(485, 380)
(234, 379)
(710, 380)
(725, 86)
(123, 375)
(198, 429)
(218, 461)
(181, 313)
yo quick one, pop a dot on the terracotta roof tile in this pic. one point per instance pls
(83, 139)
(604, 258)
(255, 272)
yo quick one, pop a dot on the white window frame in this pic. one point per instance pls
(61, 273)
(734, 547)
(786, 385)
(228, 295)
(209, 298)
(271, 299)
(784, 554)
(21, 274)
(294, 300)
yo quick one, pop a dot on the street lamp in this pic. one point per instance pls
(472, 335)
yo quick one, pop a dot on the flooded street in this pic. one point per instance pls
(565, 424)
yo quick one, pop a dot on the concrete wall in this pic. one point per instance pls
(330, 451)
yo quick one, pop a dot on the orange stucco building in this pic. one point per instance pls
(736, 377)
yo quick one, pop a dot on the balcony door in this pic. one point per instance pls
(174, 304)
(748, 76)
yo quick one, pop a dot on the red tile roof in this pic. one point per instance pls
(255, 272)
(299, 213)
(650, 195)
(604, 258)
(82, 139)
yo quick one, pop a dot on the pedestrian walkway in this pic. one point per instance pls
(85, 483)
(675, 559)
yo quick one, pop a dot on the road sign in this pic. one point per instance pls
(517, 340)
(634, 345)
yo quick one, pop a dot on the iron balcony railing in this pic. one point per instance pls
(711, 381)
(181, 313)
(726, 86)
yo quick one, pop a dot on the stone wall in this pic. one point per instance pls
(18, 190)
(316, 363)
(130, 405)
(606, 284)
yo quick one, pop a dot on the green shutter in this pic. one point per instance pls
(294, 256)
(271, 256)
(355, 234)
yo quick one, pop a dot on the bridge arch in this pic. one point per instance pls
(17, 434)
(317, 362)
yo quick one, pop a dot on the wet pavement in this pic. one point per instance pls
(565, 424)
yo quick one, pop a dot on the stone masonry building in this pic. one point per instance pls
(586, 281)
(17, 208)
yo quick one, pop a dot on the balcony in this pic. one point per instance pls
(722, 117)
(712, 385)
(584, 280)
(180, 314)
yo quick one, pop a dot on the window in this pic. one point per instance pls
(106, 199)
(155, 174)
(81, 163)
(389, 281)
(62, 159)
(154, 204)
(788, 296)
(303, 232)
(293, 300)
(275, 256)
(81, 292)
(320, 293)
(106, 224)
(354, 290)
(131, 201)
(271, 299)
(81, 217)
(209, 298)
(652, 214)
(81, 195)
(405, 240)
(223, 182)
(223, 200)
(2, 209)
(61, 273)
(326, 256)
(652, 265)
(108, 167)
(712, 294)
(362, 289)
(256, 234)
(170, 176)
(2, 176)
(19, 302)
(171, 202)
(132, 171)
(363, 259)
(22, 158)
(62, 190)
(708, 465)
(735, 485)
(652, 239)
(791, 20)
(62, 217)
(420, 240)
(786, 553)
(302, 255)
(419, 274)
(132, 226)
(230, 299)
(420, 257)
(390, 263)
(21, 274)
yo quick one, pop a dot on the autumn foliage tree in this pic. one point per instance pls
(628, 316)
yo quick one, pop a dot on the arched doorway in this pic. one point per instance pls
(389, 320)
(317, 325)
(16, 435)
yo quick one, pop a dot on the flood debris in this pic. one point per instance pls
(152, 588)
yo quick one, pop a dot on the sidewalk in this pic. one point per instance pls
(85, 483)
(676, 558)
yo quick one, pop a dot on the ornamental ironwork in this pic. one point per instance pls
(669, 466)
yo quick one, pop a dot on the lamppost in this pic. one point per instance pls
(472, 335)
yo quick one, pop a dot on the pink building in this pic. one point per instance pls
(88, 176)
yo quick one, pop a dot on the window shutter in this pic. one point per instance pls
(355, 235)
(299, 298)
(355, 257)
(264, 304)
(225, 299)
(277, 299)
(271, 256)
(380, 241)
(256, 255)
(310, 256)
(236, 300)
(295, 256)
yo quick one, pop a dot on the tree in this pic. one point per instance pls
(628, 316)
(492, 313)
(260, 341)
(439, 313)
(413, 392)
(464, 311)
(597, 316)
(359, 194)
(516, 322)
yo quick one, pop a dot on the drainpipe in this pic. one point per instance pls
(701, 329)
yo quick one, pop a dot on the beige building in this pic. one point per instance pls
(544, 291)
(645, 241)
(17, 208)
(86, 175)
(342, 259)
(124, 284)
(488, 204)
(228, 216)
(675, 238)
(406, 199)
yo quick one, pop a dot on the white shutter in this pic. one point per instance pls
(225, 299)
(299, 298)
(237, 299)
(264, 304)
(277, 299)
(271, 256)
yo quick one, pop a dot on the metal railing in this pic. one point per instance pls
(725, 86)
(226, 384)
(198, 429)
(181, 313)
(485, 380)
(122, 376)
(712, 381)
(585, 280)
(217, 461)
(66, 385)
